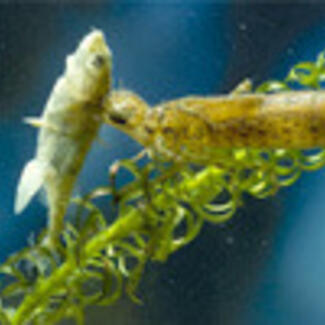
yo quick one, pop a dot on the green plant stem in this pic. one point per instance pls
(122, 227)
(41, 293)
(133, 221)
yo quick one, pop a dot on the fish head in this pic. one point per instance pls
(89, 68)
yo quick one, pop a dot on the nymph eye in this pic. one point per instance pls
(118, 119)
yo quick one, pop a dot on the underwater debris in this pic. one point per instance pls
(160, 211)
(68, 126)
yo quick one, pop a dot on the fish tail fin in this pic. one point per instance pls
(31, 180)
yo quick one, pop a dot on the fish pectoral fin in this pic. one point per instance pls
(38, 122)
(30, 182)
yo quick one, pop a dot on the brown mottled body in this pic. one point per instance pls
(196, 128)
(291, 120)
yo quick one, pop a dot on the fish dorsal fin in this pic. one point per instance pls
(31, 180)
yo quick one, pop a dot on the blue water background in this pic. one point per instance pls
(266, 265)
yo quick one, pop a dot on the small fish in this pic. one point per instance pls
(68, 126)
(202, 129)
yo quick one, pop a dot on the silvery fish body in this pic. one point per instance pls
(68, 126)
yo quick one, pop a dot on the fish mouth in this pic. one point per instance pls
(95, 43)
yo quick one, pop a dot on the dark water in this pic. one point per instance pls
(266, 265)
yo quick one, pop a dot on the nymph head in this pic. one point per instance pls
(127, 111)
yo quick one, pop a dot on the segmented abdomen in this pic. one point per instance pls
(199, 129)
(285, 120)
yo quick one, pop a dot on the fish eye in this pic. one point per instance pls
(97, 61)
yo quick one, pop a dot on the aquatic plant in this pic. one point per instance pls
(161, 210)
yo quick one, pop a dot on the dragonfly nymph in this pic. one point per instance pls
(204, 129)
